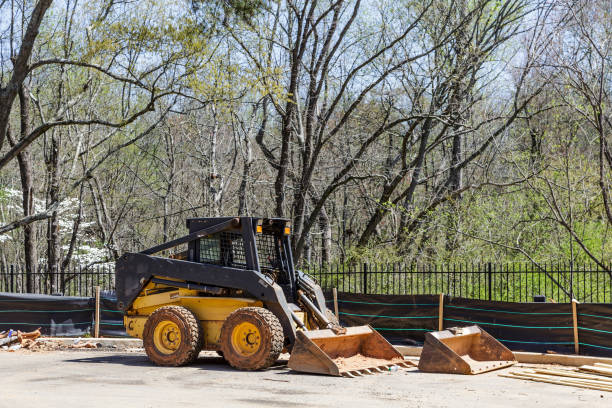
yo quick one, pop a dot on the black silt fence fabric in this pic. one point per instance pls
(537, 327)
(111, 319)
(595, 328)
(401, 319)
(55, 315)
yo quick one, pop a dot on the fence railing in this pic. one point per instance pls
(75, 281)
(510, 282)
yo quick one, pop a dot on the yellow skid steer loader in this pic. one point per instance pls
(235, 290)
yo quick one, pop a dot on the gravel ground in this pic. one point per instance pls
(127, 379)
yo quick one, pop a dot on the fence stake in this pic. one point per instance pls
(97, 316)
(335, 294)
(575, 319)
(490, 276)
(365, 279)
(11, 285)
(441, 312)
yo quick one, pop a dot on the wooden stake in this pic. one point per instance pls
(441, 312)
(97, 314)
(335, 294)
(575, 319)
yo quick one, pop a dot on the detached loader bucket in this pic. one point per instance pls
(361, 350)
(463, 350)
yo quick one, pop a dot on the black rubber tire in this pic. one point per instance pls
(192, 337)
(272, 338)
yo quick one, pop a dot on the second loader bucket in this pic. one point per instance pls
(463, 350)
(361, 350)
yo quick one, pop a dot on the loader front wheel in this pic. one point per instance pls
(251, 338)
(172, 336)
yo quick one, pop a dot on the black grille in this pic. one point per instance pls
(271, 262)
(267, 250)
(225, 249)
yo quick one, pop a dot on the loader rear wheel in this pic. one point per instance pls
(251, 338)
(172, 336)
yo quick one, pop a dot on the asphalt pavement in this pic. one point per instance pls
(88, 379)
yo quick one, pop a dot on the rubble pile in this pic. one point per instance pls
(13, 340)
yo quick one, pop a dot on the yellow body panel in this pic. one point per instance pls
(165, 298)
(216, 308)
(210, 311)
(134, 325)
(212, 333)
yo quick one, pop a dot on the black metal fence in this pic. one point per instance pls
(75, 281)
(509, 282)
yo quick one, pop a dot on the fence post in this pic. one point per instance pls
(12, 279)
(365, 279)
(575, 320)
(490, 280)
(97, 314)
(335, 295)
(441, 312)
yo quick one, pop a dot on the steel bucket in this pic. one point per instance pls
(463, 350)
(359, 351)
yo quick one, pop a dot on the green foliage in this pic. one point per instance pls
(225, 10)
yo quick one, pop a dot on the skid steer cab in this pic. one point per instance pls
(233, 289)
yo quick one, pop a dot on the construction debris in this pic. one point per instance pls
(595, 377)
(80, 345)
(7, 339)
(12, 340)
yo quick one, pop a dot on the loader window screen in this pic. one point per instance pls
(225, 249)
(210, 250)
(268, 250)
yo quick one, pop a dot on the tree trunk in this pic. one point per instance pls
(169, 141)
(27, 192)
(20, 65)
(53, 189)
(407, 195)
(73, 242)
(103, 217)
(243, 208)
(326, 237)
(215, 184)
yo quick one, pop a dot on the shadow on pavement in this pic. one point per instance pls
(141, 360)
(123, 359)
(218, 364)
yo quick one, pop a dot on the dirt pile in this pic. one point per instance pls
(359, 362)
